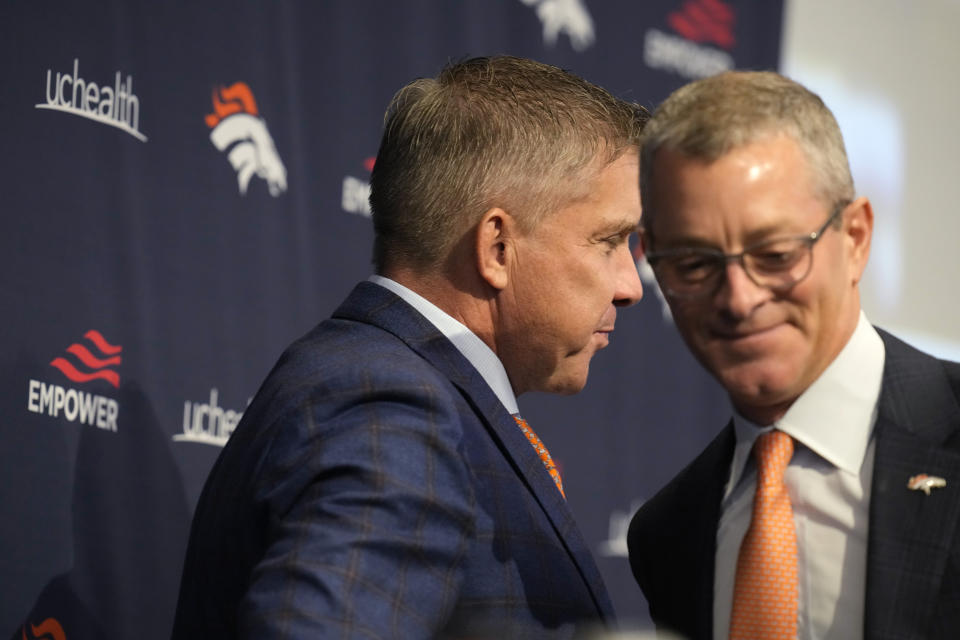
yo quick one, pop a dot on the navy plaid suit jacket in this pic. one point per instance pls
(376, 488)
(913, 549)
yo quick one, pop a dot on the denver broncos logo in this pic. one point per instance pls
(49, 629)
(236, 124)
(567, 16)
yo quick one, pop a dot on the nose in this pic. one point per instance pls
(628, 289)
(738, 295)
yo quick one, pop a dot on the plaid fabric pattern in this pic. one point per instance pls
(376, 488)
(913, 557)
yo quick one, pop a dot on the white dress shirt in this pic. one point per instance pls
(475, 350)
(828, 480)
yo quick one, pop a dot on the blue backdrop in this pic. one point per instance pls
(184, 193)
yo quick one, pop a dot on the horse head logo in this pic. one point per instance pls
(566, 16)
(236, 125)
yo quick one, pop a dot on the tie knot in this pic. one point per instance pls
(773, 451)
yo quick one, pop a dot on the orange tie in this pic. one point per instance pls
(765, 590)
(541, 451)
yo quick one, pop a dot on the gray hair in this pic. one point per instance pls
(488, 132)
(710, 117)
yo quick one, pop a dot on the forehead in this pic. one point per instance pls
(608, 196)
(760, 188)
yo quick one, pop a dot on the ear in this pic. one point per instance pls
(494, 235)
(858, 231)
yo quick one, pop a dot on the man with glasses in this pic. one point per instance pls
(829, 507)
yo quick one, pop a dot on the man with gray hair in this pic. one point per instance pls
(382, 483)
(829, 505)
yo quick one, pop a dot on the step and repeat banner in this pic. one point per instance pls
(184, 192)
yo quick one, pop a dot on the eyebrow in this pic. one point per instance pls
(760, 234)
(619, 228)
(769, 232)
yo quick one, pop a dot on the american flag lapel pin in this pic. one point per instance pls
(924, 482)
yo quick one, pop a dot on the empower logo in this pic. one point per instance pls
(116, 106)
(97, 366)
(705, 21)
(83, 366)
(697, 24)
(236, 125)
(49, 629)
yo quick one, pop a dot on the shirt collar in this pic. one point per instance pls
(834, 417)
(475, 350)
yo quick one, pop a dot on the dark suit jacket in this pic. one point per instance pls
(376, 488)
(913, 550)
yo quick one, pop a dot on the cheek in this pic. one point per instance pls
(686, 316)
(814, 304)
(579, 289)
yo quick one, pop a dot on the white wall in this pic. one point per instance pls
(890, 71)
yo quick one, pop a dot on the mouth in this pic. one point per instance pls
(604, 333)
(741, 335)
(608, 321)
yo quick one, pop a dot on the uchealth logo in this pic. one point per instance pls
(698, 25)
(49, 629)
(207, 422)
(355, 197)
(90, 362)
(116, 106)
(237, 128)
(564, 16)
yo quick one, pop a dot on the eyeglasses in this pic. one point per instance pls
(776, 264)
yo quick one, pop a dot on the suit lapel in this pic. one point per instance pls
(700, 564)
(673, 539)
(376, 305)
(910, 532)
(534, 474)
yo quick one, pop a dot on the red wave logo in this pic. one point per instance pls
(97, 365)
(705, 21)
(237, 98)
(48, 629)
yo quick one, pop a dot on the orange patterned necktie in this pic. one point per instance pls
(541, 451)
(765, 590)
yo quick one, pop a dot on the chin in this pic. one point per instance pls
(567, 384)
(758, 385)
(568, 387)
